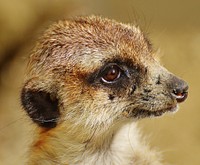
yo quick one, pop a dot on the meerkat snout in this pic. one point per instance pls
(180, 89)
(87, 78)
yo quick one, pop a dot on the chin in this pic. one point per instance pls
(143, 113)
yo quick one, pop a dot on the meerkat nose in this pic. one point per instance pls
(179, 90)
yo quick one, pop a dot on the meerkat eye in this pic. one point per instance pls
(111, 74)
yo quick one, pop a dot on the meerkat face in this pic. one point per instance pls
(93, 71)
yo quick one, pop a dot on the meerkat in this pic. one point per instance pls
(88, 81)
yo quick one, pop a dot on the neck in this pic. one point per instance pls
(61, 145)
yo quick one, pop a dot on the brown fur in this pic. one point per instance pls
(80, 118)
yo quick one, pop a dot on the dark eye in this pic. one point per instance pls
(111, 74)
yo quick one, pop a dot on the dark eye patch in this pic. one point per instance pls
(110, 73)
(126, 69)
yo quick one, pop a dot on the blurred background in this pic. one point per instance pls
(173, 27)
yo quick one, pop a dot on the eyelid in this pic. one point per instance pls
(109, 65)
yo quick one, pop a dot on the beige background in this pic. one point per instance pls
(172, 25)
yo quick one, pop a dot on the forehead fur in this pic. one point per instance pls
(88, 42)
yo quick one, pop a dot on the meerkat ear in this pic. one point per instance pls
(41, 107)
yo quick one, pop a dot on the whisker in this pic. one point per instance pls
(10, 124)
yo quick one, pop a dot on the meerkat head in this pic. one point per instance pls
(95, 72)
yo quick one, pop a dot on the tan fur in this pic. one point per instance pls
(93, 129)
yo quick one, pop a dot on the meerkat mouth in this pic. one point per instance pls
(142, 113)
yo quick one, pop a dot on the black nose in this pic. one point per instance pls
(179, 89)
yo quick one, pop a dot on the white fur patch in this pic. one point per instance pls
(125, 149)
